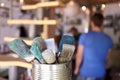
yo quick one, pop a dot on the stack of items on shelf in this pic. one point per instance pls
(39, 54)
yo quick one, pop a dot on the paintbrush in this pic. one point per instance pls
(40, 42)
(21, 48)
(37, 47)
(48, 56)
(66, 39)
(67, 53)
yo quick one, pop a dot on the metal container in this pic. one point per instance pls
(61, 71)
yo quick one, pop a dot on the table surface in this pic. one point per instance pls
(11, 61)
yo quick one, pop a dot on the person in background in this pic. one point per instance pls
(92, 51)
(75, 34)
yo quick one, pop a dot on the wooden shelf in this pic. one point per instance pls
(43, 4)
(10, 61)
(35, 22)
(27, 41)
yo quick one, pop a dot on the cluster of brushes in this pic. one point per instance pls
(39, 53)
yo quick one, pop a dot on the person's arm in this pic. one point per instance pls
(107, 63)
(79, 57)
(108, 56)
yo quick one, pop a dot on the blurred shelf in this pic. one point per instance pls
(27, 40)
(35, 22)
(43, 4)
(10, 61)
(3, 78)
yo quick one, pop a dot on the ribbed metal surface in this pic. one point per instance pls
(52, 72)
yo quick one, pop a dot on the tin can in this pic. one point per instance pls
(61, 71)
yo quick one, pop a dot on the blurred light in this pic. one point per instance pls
(119, 4)
(84, 8)
(71, 3)
(86, 29)
(103, 6)
(2, 4)
(21, 1)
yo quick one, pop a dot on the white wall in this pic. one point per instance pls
(112, 9)
(83, 27)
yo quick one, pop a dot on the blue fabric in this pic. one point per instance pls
(96, 46)
(89, 78)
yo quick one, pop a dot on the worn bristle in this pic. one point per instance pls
(67, 53)
(40, 42)
(21, 48)
(48, 56)
(37, 47)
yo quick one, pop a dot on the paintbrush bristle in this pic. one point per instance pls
(48, 56)
(40, 42)
(67, 53)
(37, 46)
(21, 48)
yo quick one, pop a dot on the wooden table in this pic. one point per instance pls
(10, 61)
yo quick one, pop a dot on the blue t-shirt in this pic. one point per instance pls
(96, 46)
